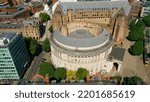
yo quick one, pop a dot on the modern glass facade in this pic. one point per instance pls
(146, 8)
(13, 58)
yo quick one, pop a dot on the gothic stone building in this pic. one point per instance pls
(113, 15)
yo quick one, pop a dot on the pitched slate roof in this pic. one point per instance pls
(95, 5)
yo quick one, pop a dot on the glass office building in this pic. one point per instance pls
(13, 55)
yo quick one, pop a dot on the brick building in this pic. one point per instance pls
(35, 7)
(12, 2)
(13, 13)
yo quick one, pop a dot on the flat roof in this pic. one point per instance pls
(7, 35)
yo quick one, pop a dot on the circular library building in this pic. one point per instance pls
(81, 44)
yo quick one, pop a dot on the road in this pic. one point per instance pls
(35, 63)
(47, 32)
(33, 68)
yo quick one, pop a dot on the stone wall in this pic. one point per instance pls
(71, 27)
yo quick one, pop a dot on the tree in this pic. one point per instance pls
(33, 46)
(82, 73)
(140, 25)
(46, 45)
(146, 20)
(27, 42)
(51, 29)
(71, 74)
(60, 74)
(46, 69)
(136, 30)
(132, 24)
(137, 48)
(135, 35)
(44, 17)
(134, 80)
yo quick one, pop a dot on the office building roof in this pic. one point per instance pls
(6, 37)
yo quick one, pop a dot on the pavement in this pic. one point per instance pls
(133, 65)
(47, 56)
(37, 60)
(47, 32)
(33, 68)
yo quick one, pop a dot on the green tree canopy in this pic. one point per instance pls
(60, 74)
(33, 46)
(136, 30)
(46, 45)
(132, 24)
(146, 20)
(140, 25)
(82, 73)
(46, 69)
(51, 29)
(137, 25)
(27, 41)
(134, 80)
(135, 35)
(44, 17)
(137, 48)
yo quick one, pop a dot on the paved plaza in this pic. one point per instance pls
(133, 65)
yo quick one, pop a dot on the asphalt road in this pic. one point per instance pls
(47, 32)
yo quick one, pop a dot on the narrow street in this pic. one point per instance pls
(47, 32)
(33, 68)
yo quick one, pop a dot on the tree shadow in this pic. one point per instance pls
(42, 30)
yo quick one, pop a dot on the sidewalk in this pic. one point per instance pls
(133, 65)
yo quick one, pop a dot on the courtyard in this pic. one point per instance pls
(133, 65)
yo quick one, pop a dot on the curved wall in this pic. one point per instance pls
(92, 58)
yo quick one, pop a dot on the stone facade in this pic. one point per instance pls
(81, 44)
(29, 28)
(103, 16)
